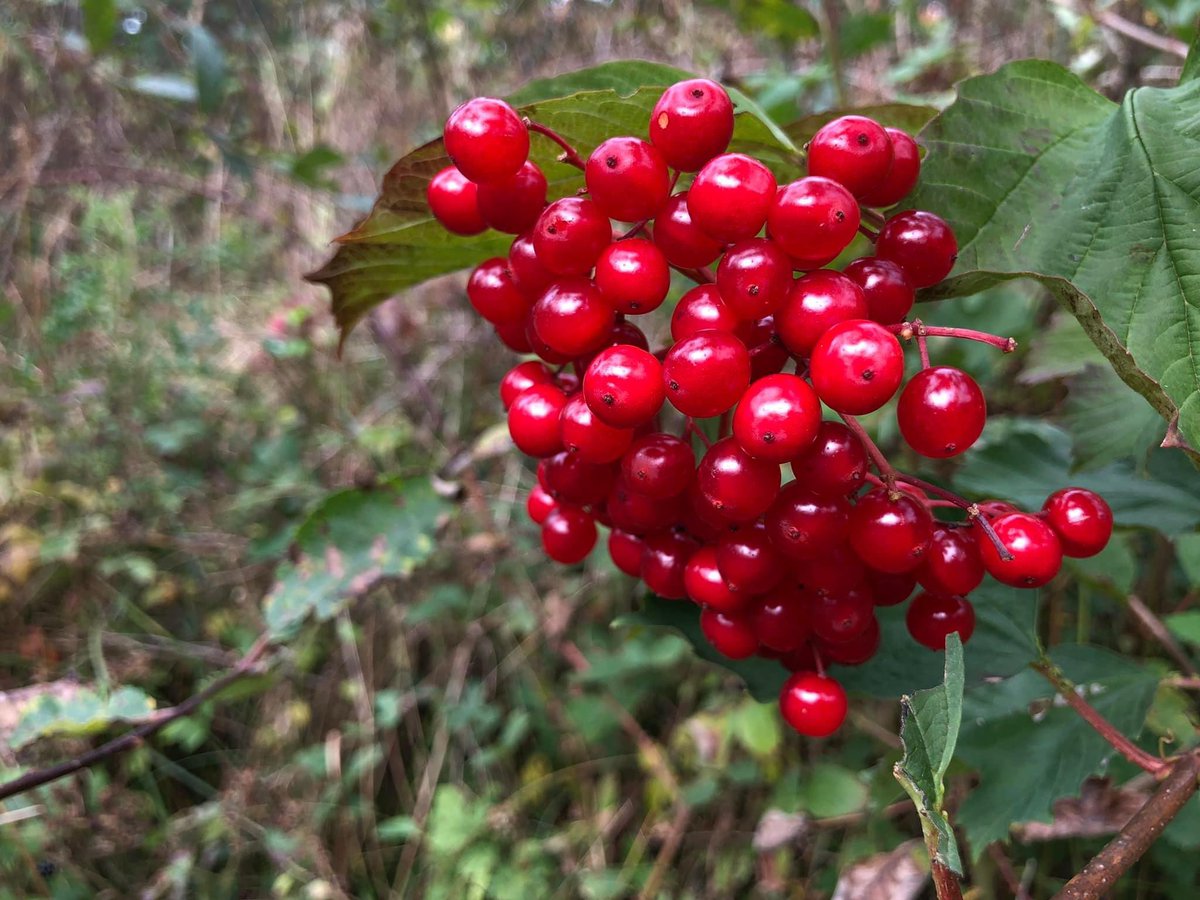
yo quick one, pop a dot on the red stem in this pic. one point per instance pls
(877, 457)
(870, 235)
(569, 155)
(698, 275)
(692, 428)
(918, 329)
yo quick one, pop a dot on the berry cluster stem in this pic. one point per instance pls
(870, 235)
(569, 155)
(919, 330)
(692, 428)
(882, 465)
(698, 275)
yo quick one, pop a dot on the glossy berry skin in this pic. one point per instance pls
(627, 178)
(941, 412)
(587, 437)
(704, 585)
(486, 139)
(901, 177)
(777, 417)
(854, 151)
(804, 526)
(815, 303)
(953, 565)
(533, 420)
(749, 562)
(638, 514)
(623, 386)
(920, 243)
(633, 276)
(730, 634)
(781, 619)
(753, 278)
(702, 309)
(493, 294)
(691, 123)
(891, 535)
(540, 504)
(855, 651)
(1037, 553)
(1082, 520)
(572, 318)
(520, 377)
(659, 465)
(568, 535)
(890, 588)
(834, 571)
(453, 200)
(768, 356)
(705, 374)
(574, 480)
(730, 197)
(529, 275)
(813, 220)
(887, 290)
(856, 366)
(931, 618)
(664, 560)
(738, 486)
(513, 335)
(570, 235)
(680, 239)
(513, 204)
(814, 705)
(625, 549)
(834, 465)
(841, 617)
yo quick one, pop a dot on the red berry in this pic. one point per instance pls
(486, 139)
(730, 634)
(514, 336)
(813, 220)
(815, 303)
(803, 526)
(835, 571)
(920, 243)
(754, 277)
(521, 377)
(701, 519)
(855, 651)
(659, 465)
(730, 197)
(623, 386)
(494, 295)
(768, 356)
(568, 535)
(781, 619)
(777, 418)
(737, 485)
(638, 514)
(931, 618)
(888, 292)
(664, 559)
(541, 348)
(1035, 548)
(702, 309)
(529, 275)
(890, 588)
(633, 276)
(856, 366)
(901, 177)
(626, 551)
(953, 565)
(854, 151)
(540, 504)
(628, 179)
(678, 237)
(814, 705)
(572, 318)
(841, 617)
(453, 200)
(706, 373)
(513, 204)
(704, 584)
(691, 123)
(1082, 520)
(834, 465)
(577, 481)
(941, 412)
(588, 438)
(570, 235)
(533, 420)
(891, 535)
(749, 562)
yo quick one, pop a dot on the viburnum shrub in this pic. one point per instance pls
(679, 448)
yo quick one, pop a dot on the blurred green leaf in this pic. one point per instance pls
(1187, 549)
(61, 708)
(756, 727)
(208, 66)
(1185, 626)
(1115, 568)
(862, 32)
(397, 829)
(309, 167)
(99, 23)
(828, 789)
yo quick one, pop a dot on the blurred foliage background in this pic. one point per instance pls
(172, 414)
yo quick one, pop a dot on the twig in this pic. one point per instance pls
(1005, 867)
(698, 275)
(945, 882)
(881, 463)
(35, 779)
(569, 154)
(1141, 34)
(1102, 872)
(918, 329)
(1154, 627)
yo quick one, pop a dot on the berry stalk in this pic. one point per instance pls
(918, 329)
(569, 155)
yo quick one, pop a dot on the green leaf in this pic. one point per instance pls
(827, 790)
(1191, 66)
(99, 23)
(1020, 719)
(756, 727)
(1042, 177)
(929, 723)
(1187, 549)
(1097, 398)
(350, 542)
(208, 67)
(65, 708)
(860, 33)
(1185, 626)
(309, 167)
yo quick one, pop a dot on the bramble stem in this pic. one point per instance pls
(945, 882)
(881, 464)
(569, 154)
(918, 329)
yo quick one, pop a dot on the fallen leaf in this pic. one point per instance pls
(777, 828)
(897, 875)
(1099, 809)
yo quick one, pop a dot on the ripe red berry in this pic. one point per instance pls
(691, 123)
(768, 356)
(841, 617)
(856, 366)
(664, 559)
(623, 386)
(572, 318)
(802, 525)
(737, 485)
(705, 586)
(815, 303)
(888, 292)
(813, 220)
(748, 561)
(514, 336)
(835, 571)
(855, 651)
(730, 197)
(706, 373)
(901, 177)
(678, 237)
(632, 511)
(570, 235)
(777, 418)
(659, 465)
(941, 412)
(513, 204)
(533, 420)
(568, 535)
(486, 139)
(494, 295)
(1035, 548)
(781, 619)
(814, 705)
(453, 200)
(730, 634)
(541, 348)
(628, 179)
(953, 565)
(834, 465)
(529, 275)
(521, 377)
(852, 150)
(633, 276)
(540, 504)
(588, 438)
(754, 277)
(890, 588)
(574, 480)
(931, 618)
(625, 549)
(890, 533)
(702, 309)
(1082, 520)
(920, 243)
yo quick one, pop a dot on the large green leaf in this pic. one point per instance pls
(64, 708)
(1042, 177)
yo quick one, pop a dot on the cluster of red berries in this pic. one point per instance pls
(792, 571)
